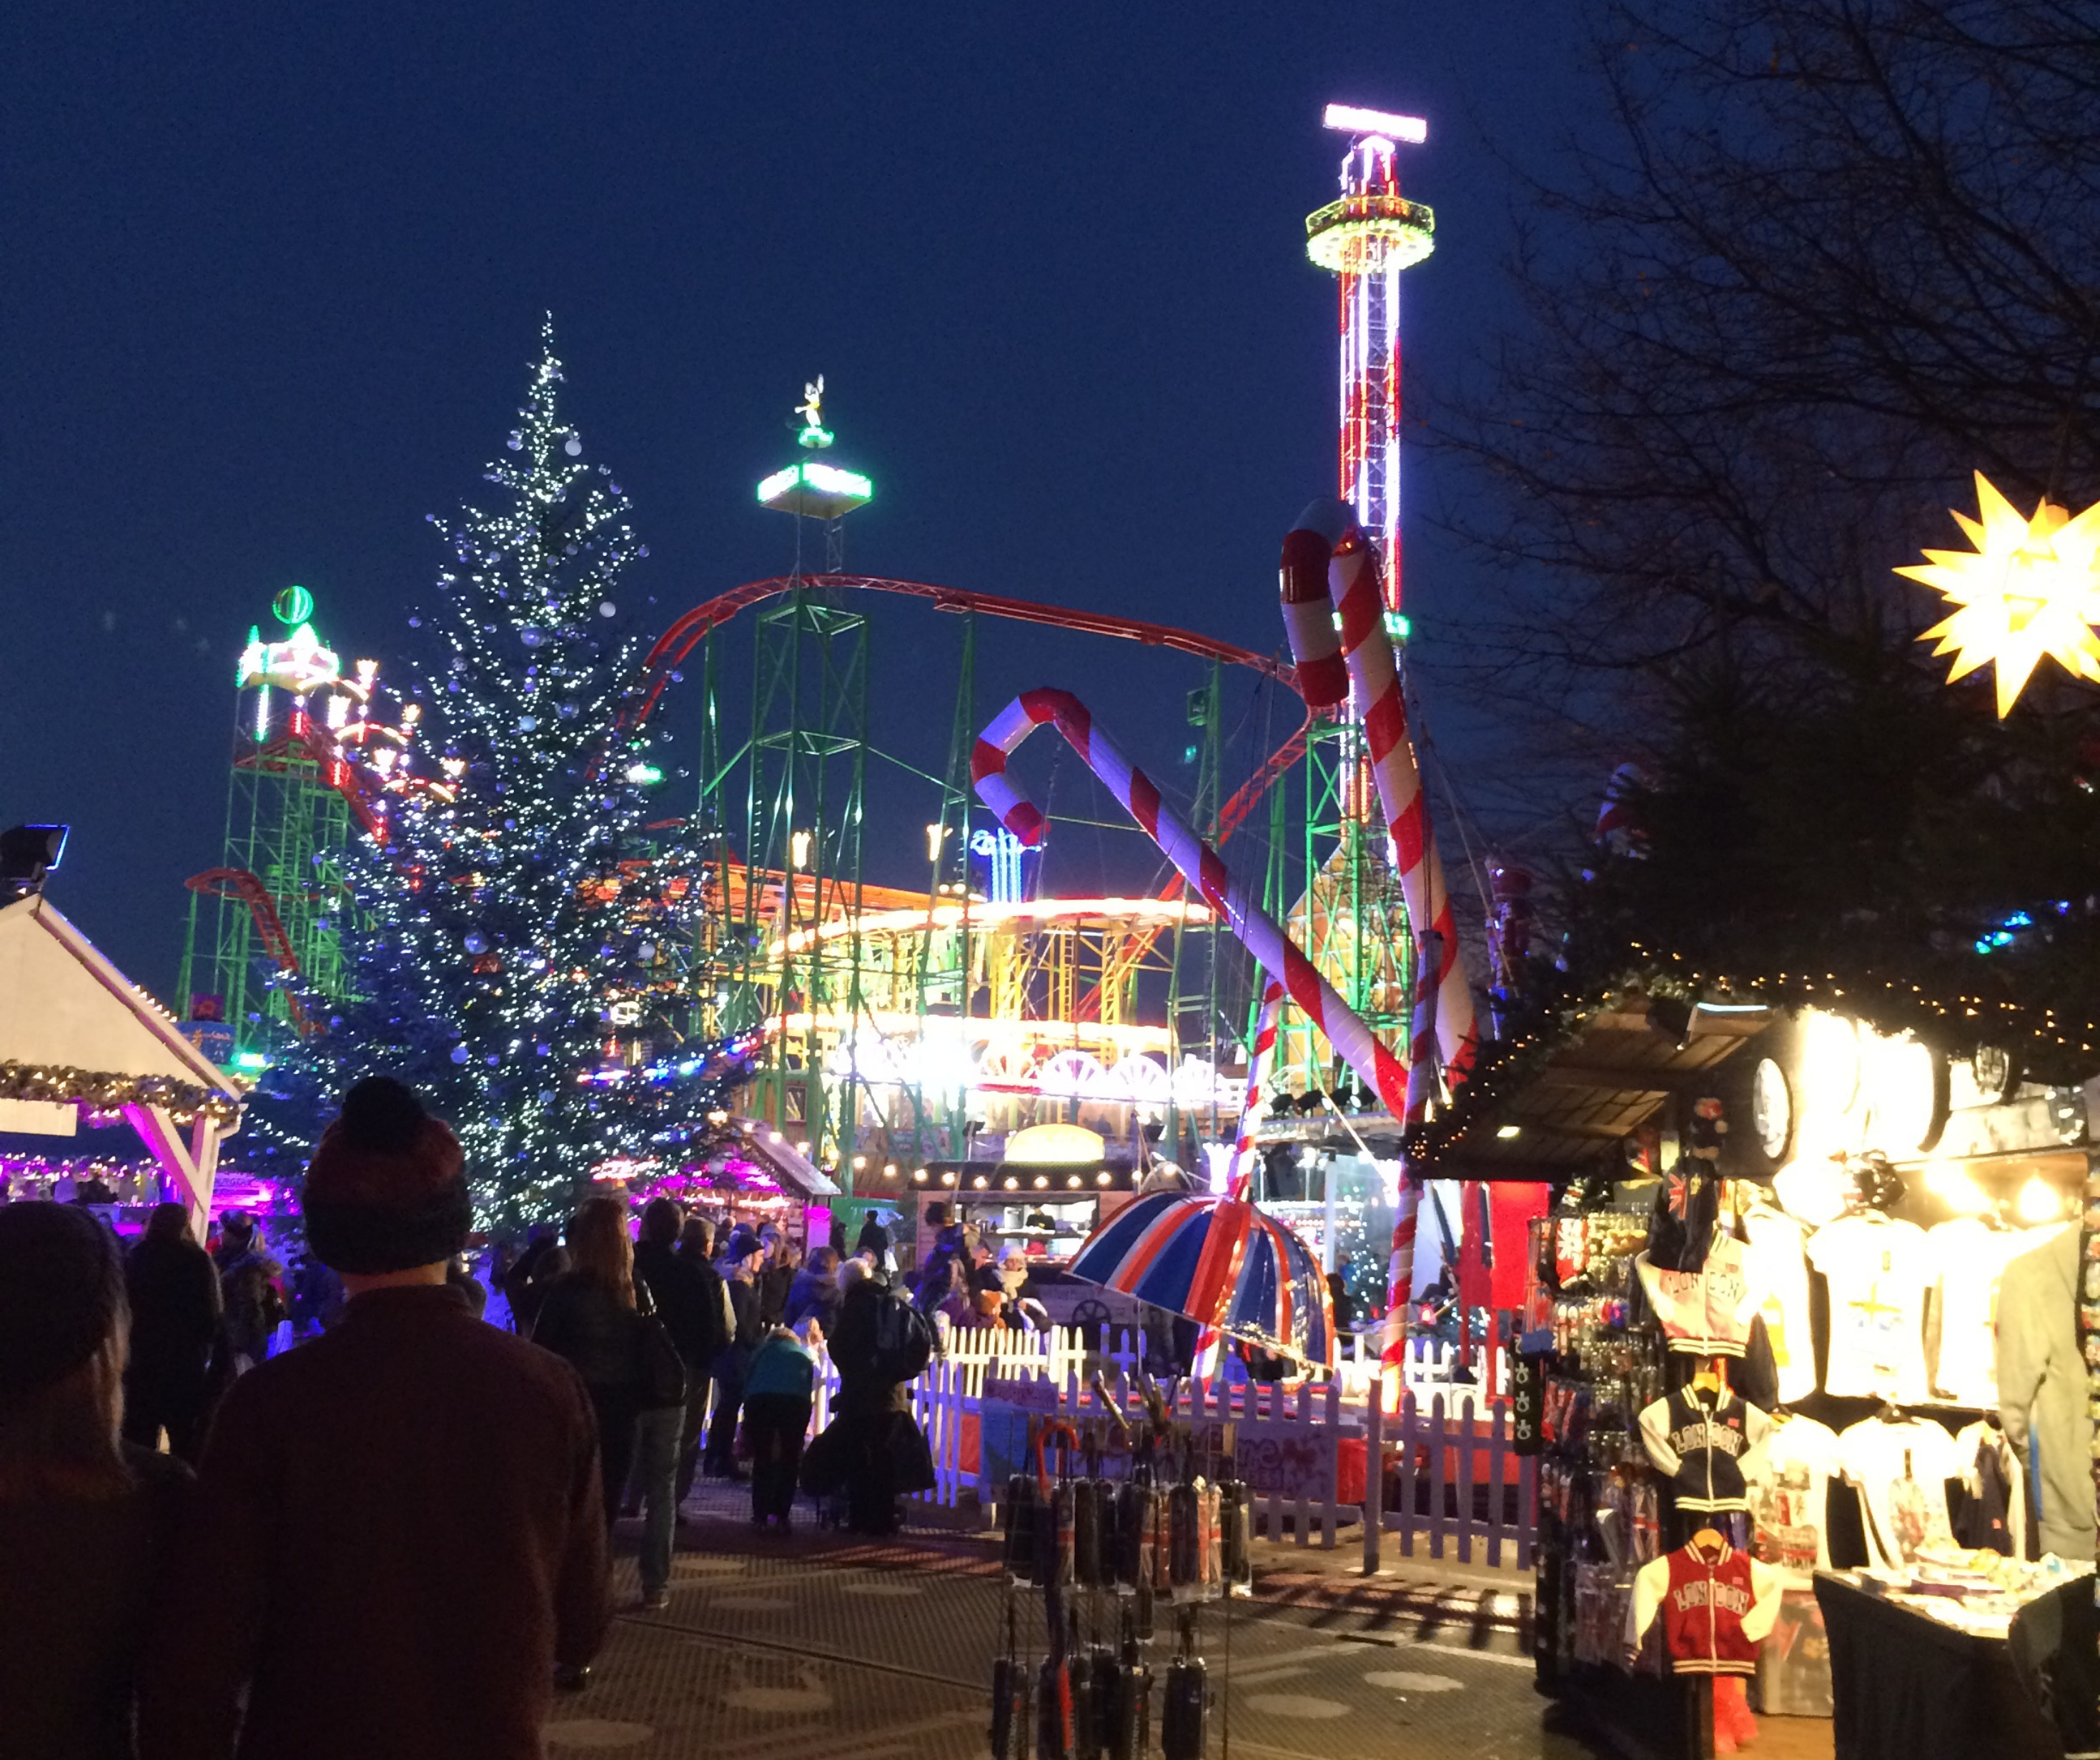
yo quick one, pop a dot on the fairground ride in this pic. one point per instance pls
(313, 764)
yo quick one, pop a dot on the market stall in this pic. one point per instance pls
(74, 1032)
(1798, 1335)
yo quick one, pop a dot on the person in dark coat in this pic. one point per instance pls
(690, 1298)
(592, 1317)
(87, 1522)
(251, 1304)
(884, 1454)
(532, 1275)
(1337, 1294)
(398, 1538)
(738, 1267)
(815, 1294)
(172, 1290)
(776, 1277)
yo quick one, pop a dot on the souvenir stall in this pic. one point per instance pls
(1792, 1341)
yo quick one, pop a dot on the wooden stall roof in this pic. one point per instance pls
(1611, 1077)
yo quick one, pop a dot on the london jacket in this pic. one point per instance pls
(1707, 1312)
(2041, 1388)
(1717, 1603)
(1699, 1442)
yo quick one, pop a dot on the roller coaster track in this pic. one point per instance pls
(239, 883)
(679, 640)
(683, 636)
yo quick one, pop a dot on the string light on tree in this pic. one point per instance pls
(2028, 589)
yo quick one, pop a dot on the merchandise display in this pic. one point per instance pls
(1738, 1402)
(1977, 1592)
(1705, 1310)
(1900, 1467)
(2042, 1388)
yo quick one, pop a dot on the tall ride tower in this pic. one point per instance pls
(1367, 238)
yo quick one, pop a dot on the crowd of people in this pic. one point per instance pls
(392, 1537)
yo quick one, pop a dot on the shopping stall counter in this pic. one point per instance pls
(1908, 1685)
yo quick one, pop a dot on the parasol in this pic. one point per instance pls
(1220, 1262)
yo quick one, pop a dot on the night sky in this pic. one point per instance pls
(274, 276)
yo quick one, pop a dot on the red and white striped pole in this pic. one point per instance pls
(1251, 1112)
(1199, 865)
(1327, 548)
(1407, 1206)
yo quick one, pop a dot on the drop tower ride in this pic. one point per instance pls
(1366, 239)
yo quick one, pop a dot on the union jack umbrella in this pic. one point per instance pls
(1220, 1262)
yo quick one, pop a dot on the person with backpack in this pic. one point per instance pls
(883, 1343)
(533, 1274)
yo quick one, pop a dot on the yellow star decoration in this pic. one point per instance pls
(2030, 588)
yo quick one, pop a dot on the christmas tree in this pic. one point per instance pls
(527, 930)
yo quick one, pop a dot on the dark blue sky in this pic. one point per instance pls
(274, 275)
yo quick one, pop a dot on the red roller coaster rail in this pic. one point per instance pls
(684, 636)
(239, 883)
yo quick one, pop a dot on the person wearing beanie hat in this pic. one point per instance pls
(440, 1476)
(86, 1521)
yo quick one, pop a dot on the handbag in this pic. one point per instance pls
(663, 1369)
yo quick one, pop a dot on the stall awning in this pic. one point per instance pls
(1614, 1074)
(66, 1011)
(74, 1028)
(795, 1171)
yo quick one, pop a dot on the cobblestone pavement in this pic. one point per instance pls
(811, 1648)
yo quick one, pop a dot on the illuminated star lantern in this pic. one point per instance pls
(2030, 588)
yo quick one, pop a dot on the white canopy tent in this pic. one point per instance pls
(74, 1028)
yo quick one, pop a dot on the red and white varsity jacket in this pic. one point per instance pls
(1718, 1605)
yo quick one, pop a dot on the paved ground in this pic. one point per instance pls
(818, 1648)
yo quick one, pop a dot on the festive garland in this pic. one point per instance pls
(182, 1101)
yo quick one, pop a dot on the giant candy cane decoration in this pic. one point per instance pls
(1329, 568)
(1328, 563)
(1200, 865)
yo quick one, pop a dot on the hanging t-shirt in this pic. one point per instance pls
(1779, 1272)
(1968, 1259)
(1878, 1271)
(1789, 1495)
(1994, 1506)
(1900, 1471)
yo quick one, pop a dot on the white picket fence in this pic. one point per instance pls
(1440, 1474)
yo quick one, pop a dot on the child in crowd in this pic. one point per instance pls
(778, 1389)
